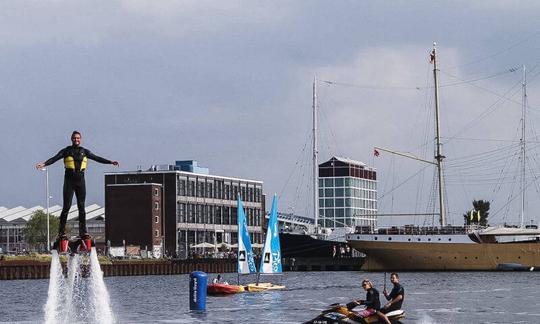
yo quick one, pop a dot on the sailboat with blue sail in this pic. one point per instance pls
(246, 261)
(245, 258)
(271, 254)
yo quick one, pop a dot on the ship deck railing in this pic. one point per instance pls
(416, 230)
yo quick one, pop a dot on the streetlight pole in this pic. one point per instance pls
(47, 210)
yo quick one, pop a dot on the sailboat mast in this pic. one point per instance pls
(523, 115)
(315, 160)
(438, 157)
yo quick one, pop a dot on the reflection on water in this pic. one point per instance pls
(475, 297)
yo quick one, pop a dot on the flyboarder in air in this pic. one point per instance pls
(75, 158)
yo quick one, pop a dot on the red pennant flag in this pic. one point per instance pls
(375, 152)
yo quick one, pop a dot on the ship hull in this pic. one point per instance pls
(302, 245)
(413, 256)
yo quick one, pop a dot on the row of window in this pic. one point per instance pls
(342, 222)
(196, 237)
(348, 192)
(348, 202)
(346, 212)
(212, 214)
(348, 182)
(219, 189)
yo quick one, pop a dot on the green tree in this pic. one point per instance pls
(480, 213)
(35, 230)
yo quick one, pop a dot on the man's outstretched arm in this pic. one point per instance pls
(99, 159)
(50, 161)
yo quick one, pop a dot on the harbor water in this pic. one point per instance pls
(440, 297)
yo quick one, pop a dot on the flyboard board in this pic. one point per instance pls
(76, 246)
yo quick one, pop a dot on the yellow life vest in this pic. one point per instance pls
(69, 163)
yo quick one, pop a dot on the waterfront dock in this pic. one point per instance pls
(35, 269)
(28, 269)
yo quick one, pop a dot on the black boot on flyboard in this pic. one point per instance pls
(75, 245)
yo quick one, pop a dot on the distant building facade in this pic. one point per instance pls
(197, 208)
(347, 194)
(134, 216)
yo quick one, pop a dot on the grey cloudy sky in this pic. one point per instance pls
(228, 83)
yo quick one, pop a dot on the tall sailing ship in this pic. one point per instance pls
(449, 247)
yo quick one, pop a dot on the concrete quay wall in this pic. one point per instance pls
(14, 270)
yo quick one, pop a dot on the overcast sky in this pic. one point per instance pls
(228, 83)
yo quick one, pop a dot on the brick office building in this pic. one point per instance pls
(134, 215)
(196, 207)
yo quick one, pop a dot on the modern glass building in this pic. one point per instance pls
(347, 194)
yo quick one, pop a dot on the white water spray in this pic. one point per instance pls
(100, 295)
(79, 297)
(53, 307)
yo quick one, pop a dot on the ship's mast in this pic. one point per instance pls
(315, 160)
(438, 156)
(523, 112)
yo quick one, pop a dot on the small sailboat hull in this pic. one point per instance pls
(219, 289)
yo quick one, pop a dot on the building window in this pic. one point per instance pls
(156, 233)
(209, 190)
(182, 187)
(218, 212)
(156, 219)
(227, 192)
(191, 188)
(156, 205)
(156, 192)
(234, 191)
(339, 202)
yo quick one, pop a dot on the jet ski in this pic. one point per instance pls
(338, 313)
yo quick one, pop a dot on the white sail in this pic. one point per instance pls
(246, 263)
(271, 255)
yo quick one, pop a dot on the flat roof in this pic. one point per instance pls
(182, 173)
(134, 184)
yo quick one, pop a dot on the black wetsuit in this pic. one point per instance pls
(372, 299)
(396, 291)
(75, 163)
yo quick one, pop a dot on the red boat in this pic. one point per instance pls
(223, 289)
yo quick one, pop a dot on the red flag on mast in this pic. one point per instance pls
(375, 152)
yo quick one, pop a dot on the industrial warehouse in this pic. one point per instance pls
(13, 222)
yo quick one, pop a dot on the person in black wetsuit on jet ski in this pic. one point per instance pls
(75, 158)
(372, 302)
(395, 297)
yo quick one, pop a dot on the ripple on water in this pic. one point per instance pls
(459, 297)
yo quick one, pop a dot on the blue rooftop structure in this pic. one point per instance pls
(191, 166)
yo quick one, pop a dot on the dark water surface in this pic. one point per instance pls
(442, 297)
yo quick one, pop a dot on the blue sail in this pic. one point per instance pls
(271, 255)
(246, 263)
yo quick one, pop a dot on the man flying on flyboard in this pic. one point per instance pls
(75, 158)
